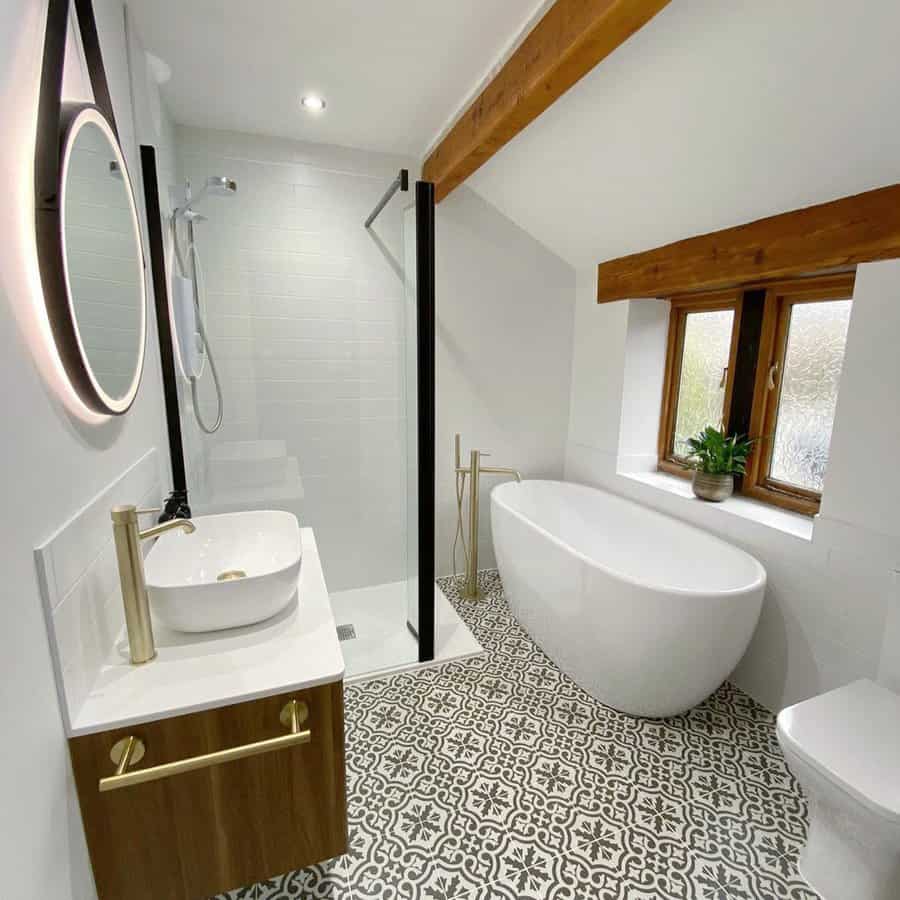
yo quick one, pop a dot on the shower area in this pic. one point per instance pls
(300, 319)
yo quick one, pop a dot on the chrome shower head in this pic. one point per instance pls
(221, 185)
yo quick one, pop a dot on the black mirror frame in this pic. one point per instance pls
(53, 125)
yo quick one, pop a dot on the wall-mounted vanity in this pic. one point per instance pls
(214, 800)
(220, 762)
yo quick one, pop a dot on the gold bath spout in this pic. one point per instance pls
(474, 472)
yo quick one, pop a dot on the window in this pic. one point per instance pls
(765, 361)
(702, 344)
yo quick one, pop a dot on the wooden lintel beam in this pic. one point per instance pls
(857, 229)
(571, 38)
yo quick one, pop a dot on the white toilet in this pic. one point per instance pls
(844, 749)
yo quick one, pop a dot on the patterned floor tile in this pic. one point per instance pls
(774, 824)
(754, 846)
(499, 777)
(635, 863)
(325, 881)
(393, 824)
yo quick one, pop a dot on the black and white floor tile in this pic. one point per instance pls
(498, 777)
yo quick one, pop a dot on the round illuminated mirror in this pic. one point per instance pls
(103, 263)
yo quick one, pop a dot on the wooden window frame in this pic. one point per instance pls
(780, 299)
(682, 307)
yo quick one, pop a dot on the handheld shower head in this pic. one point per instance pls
(220, 186)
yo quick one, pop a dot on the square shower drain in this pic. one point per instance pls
(346, 632)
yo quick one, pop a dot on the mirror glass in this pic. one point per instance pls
(103, 259)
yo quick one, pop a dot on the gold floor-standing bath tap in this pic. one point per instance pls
(128, 537)
(473, 473)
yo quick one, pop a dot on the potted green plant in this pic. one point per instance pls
(716, 458)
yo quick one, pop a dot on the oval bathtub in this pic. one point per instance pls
(646, 613)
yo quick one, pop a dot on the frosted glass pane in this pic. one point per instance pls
(701, 391)
(817, 337)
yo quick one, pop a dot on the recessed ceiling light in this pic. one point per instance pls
(312, 102)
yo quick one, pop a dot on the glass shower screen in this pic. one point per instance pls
(325, 369)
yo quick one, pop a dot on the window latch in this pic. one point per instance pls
(773, 372)
(724, 377)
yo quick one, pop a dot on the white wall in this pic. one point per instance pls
(713, 114)
(832, 609)
(504, 331)
(52, 464)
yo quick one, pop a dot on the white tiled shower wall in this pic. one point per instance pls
(305, 315)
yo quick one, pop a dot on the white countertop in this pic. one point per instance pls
(298, 648)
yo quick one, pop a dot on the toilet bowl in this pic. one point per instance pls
(844, 749)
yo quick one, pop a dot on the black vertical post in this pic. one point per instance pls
(425, 319)
(744, 375)
(161, 296)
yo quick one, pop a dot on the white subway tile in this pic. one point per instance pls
(307, 318)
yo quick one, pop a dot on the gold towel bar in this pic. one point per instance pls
(130, 750)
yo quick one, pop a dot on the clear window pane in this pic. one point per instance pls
(701, 390)
(817, 336)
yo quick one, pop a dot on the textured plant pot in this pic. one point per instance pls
(715, 488)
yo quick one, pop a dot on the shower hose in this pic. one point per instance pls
(459, 538)
(201, 328)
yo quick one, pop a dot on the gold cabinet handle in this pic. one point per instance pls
(130, 750)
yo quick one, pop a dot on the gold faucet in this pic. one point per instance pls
(128, 539)
(474, 473)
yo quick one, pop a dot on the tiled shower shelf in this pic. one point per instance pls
(497, 777)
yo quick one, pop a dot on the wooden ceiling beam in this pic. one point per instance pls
(857, 229)
(571, 38)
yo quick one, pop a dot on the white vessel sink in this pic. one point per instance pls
(235, 569)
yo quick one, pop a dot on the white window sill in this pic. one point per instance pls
(797, 525)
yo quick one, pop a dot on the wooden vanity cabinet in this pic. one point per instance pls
(191, 835)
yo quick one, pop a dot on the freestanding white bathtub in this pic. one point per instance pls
(646, 613)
